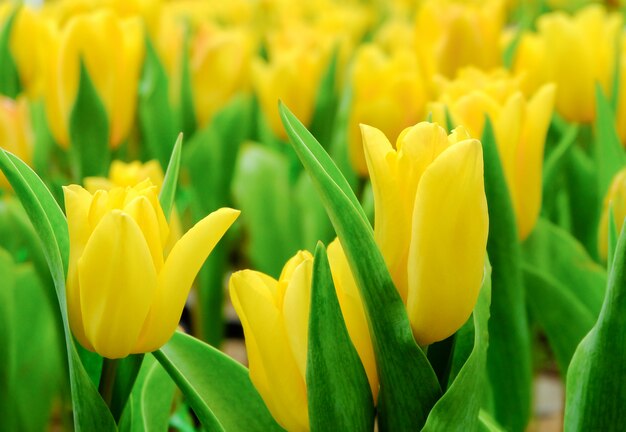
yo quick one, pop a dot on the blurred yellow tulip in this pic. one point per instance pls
(112, 51)
(430, 211)
(520, 127)
(16, 134)
(387, 92)
(574, 52)
(451, 34)
(123, 295)
(275, 319)
(616, 197)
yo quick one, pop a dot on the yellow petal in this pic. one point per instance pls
(117, 283)
(450, 226)
(178, 273)
(263, 322)
(353, 312)
(141, 210)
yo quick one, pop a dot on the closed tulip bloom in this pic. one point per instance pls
(387, 92)
(574, 52)
(430, 211)
(275, 319)
(16, 133)
(112, 51)
(616, 196)
(520, 127)
(124, 296)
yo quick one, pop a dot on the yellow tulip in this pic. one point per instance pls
(450, 35)
(112, 51)
(574, 52)
(430, 213)
(123, 295)
(388, 93)
(520, 127)
(16, 134)
(275, 319)
(616, 196)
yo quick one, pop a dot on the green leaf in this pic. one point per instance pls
(168, 189)
(322, 124)
(402, 405)
(555, 160)
(89, 130)
(90, 411)
(488, 423)
(563, 317)
(9, 77)
(338, 392)
(455, 410)
(612, 232)
(312, 219)
(156, 119)
(150, 401)
(508, 365)
(554, 252)
(609, 153)
(187, 116)
(218, 388)
(595, 391)
(125, 376)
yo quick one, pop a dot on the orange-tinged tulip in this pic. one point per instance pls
(112, 51)
(124, 296)
(275, 319)
(16, 134)
(520, 127)
(616, 197)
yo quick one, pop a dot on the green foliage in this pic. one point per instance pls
(9, 77)
(168, 189)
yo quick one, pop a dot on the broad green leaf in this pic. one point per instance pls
(89, 130)
(402, 405)
(90, 411)
(218, 388)
(156, 120)
(563, 317)
(168, 190)
(455, 410)
(262, 191)
(508, 363)
(556, 159)
(8, 345)
(553, 251)
(126, 373)
(488, 423)
(312, 219)
(150, 401)
(595, 390)
(609, 153)
(338, 392)
(9, 77)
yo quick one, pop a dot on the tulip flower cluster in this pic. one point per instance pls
(432, 198)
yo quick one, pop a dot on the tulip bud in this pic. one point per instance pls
(616, 197)
(520, 127)
(124, 296)
(16, 134)
(275, 319)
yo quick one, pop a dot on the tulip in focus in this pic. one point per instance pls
(574, 52)
(16, 134)
(431, 225)
(520, 127)
(112, 51)
(275, 319)
(616, 196)
(124, 296)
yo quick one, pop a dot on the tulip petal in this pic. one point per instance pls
(353, 312)
(142, 211)
(178, 273)
(272, 364)
(448, 242)
(117, 283)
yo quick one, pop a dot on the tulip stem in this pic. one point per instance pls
(107, 379)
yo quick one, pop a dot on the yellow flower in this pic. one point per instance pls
(388, 93)
(520, 127)
(616, 196)
(450, 35)
(574, 52)
(275, 319)
(112, 51)
(16, 134)
(123, 295)
(431, 227)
